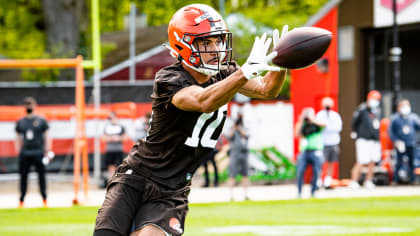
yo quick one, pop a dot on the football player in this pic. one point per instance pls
(148, 194)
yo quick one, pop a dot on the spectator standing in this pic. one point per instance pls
(310, 147)
(142, 126)
(32, 143)
(114, 135)
(365, 130)
(330, 135)
(238, 154)
(402, 132)
(211, 157)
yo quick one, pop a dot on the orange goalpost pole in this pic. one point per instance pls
(80, 141)
(38, 63)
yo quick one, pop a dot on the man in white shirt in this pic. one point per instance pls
(330, 135)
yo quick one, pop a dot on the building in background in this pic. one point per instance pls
(358, 61)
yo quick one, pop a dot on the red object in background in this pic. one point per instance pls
(311, 84)
(145, 69)
(386, 146)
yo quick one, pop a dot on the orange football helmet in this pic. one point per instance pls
(193, 22)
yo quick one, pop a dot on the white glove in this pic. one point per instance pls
(353, 135)
(276, 38)
(400, 146)
(258, 59)
(48, 157)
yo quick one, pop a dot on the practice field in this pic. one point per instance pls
(352, 216)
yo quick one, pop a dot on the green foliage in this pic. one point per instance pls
(40, 75)
(276, 13)
(111, 14)
(21, 29)
(159, 12)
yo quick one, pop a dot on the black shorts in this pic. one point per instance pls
(238, 166)
(113, 158)
(133, 201)
(331, 153)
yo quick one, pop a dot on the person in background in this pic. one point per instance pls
(365, 130)
(308, 129)
(142, 126)
(238, 154)
(114, 135)
(32, 143)
(211, 158)
(330, 135)
(402, 131)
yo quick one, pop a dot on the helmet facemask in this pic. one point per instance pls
(223, 55)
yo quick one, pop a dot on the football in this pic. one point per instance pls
(301, 47)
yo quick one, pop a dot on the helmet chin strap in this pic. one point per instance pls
(209, 72)
(206, 71)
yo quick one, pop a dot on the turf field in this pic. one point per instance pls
(352, 216)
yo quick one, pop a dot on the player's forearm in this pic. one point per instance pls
(267, 87)
(48, 142)
(273, 82)
(18, 143)
(222, 92)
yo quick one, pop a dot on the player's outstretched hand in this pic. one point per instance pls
(258, 59)
(276, 37)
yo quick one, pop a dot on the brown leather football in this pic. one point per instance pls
(301, 47)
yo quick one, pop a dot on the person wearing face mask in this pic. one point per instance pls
(308, 129)
(365, 130)
(330, 135)
(32, 144)
(114, 136)
(402, 131)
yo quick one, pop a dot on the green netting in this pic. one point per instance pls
(278, 166)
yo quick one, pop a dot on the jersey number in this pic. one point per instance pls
(206, 140)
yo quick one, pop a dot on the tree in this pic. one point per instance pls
(21, 29)
(63, 21)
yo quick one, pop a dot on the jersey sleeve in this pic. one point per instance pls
(45, 125)
(416, 121)
(18, 127)
(167, 84)
(356, 120)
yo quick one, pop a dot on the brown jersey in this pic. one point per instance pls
(177, 140)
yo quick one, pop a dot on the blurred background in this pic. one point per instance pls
(374, 47)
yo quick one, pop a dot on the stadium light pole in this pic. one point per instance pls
(132, 43)
(395, 57)
(96, 65)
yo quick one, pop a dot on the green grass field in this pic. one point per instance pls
(353, 216)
